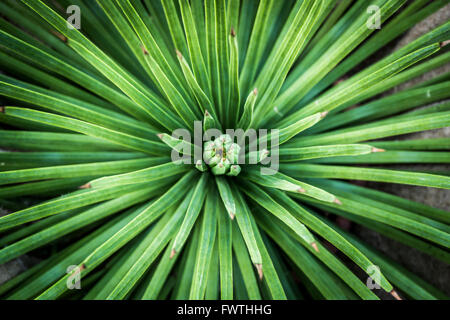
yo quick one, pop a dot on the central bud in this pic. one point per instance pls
(222, 156)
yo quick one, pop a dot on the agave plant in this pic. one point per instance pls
(90, 179)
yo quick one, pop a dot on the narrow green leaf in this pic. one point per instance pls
(245, 265)
(330, 235)
(224, 250)
(245, 121)
(62, 228)
(234, 98)
(73, 200)
(366, 174)
(283, 182)
(292, 130)
(117, 137)
(376, 131)
(226, 195)
(205, 247)
(396, 157)
(147, 175)
(262, 198)
(390, 218)
(191, 214)
(338, 150)
(76, 170)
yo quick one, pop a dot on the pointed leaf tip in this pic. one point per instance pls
(160, 135)
(395, 295)
(258, 267)
(207, 114)
(86, 186)
(2, 109)
(337, 201)
(339, 81)
(144, 50)
(232, 215)
(233, 32)
(255, 91)
(60, 36)
(323, 114)
(377, 150)
(314, 245)
(444, 43)
(179, 55)
(172, 253)
(301, 190)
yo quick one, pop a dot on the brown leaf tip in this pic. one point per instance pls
(86, 186)
(377, 150)
(337, 82)
(337, 201)
(233, 32)
(2, 109)
(160, 135)
(323, 114)
(144, 50)
(444, 43)
(301, 190)
(179, 55)
(82, 267)
(395, 295)
(258, 267)
(60, 36)
(207, 113)
(314, 245)
(232, 215)
(255, 91)
(172, 253)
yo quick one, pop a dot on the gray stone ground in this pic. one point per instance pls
(14, 267)
(430, 269)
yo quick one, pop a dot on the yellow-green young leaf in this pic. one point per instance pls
(209, 122)
(226, 195)
(292, 130)
(193, 39)
(179, 145)
(245, 121)
(234, 98)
